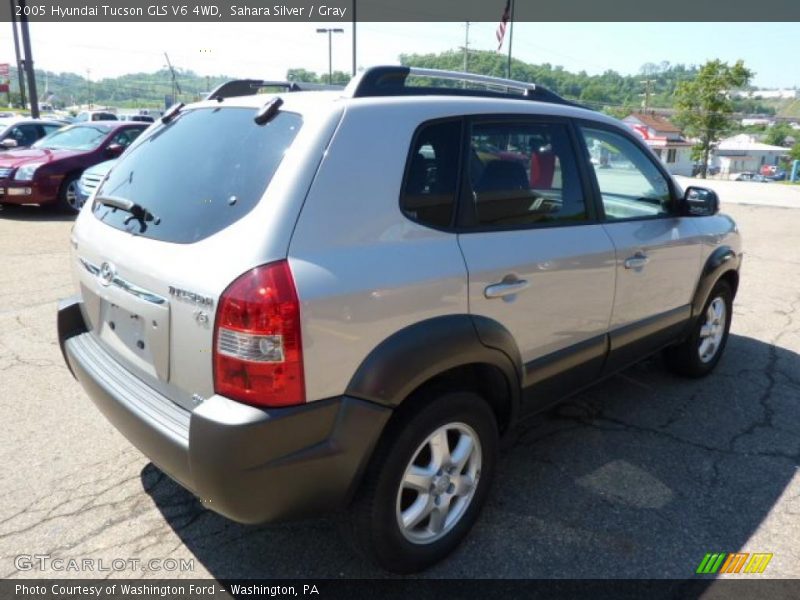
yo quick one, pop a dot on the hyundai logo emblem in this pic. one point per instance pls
(107, 273)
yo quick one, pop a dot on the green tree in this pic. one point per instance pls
(302, 75)
(777, 134)
(704, 104)
(794, 153)
(305, 76)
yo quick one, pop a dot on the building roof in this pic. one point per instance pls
(744, 142)
(655, 122)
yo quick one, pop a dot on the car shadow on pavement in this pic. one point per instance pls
(637, 477)
(31, 212)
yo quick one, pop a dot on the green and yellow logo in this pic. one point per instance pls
(734, 562)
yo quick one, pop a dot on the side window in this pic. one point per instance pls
(524, 174)
(429, 188)
(48, 129)
(630, 184)
(124, 138)
(24, 135)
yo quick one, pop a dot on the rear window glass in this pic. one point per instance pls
(197, 175)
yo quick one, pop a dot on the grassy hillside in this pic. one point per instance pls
(790, 109)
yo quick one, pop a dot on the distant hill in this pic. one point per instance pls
(790, 109)
(610, 91)
(134, 90)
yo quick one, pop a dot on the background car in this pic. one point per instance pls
(19, 132)
(697, 168)
(95, 115)
(749, 176)
(138, 118)
(47, 173)
(91, 178)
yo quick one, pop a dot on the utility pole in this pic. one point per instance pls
(176, 88)
(20, 63)
(330, 31)
(354, 38)
(510, 39)
(466, 46)
(26, 45)
(88, 89)
(647, 83)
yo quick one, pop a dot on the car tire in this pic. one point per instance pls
(701, 351)
(68, 195)
(406, 462)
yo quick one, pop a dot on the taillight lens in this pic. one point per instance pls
(258, 354)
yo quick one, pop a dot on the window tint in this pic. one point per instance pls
(630, 184)
(429, 188)
(24, 135)
(199, 174)
(524, 174)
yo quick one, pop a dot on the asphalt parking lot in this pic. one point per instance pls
(638, 477)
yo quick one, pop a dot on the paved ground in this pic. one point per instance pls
(639, 477)
(746, 192)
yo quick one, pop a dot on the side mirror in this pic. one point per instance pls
(9, 143)
(114, 150)
(700, 202)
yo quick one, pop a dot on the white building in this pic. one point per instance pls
(769, 94)
(665, 139)
(764, 121)
(743, 153)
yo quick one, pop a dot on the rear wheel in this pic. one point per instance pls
(700, 353)
(426, 484)
(68, 195)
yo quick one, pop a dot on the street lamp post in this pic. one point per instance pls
(330, 31)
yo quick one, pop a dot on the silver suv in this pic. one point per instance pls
(307, 301)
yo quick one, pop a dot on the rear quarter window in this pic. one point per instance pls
(199, 174)
(431, 176)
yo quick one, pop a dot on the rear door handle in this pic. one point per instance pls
(506, 288)
(637, 261)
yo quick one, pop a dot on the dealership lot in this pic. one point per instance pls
(638, 477)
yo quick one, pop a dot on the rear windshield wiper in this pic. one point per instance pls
(138, 212)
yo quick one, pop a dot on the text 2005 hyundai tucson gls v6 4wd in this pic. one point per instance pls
(324, 300)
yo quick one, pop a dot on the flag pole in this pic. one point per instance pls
(510, 39)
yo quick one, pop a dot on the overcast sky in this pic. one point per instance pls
(267, 50)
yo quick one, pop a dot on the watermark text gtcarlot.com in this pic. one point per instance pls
(46, 562)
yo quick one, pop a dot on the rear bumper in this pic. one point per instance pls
(251, 465)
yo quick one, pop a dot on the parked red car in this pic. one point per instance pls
(767, 170)
(47, 173)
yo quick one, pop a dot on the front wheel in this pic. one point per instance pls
(426, 484)
(700, 353)
(68, 199)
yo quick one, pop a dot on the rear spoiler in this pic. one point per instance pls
(248, 87)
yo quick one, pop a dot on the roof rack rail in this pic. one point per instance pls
(391, 81)
(248, 87)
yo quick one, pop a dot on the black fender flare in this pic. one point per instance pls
(721, 260)
(412, 356)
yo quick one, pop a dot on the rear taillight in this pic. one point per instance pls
(258, 354)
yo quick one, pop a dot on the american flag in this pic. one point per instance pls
(501, 27)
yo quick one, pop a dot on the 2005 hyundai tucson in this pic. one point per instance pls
(320, 300)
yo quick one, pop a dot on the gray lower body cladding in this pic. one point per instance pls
(249, 464)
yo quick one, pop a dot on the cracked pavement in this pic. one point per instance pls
(639, 476)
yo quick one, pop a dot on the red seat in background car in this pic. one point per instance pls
(543, 166)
